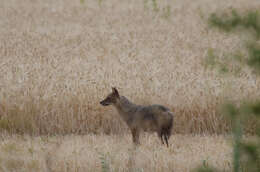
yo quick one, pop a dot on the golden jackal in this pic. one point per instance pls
(155, 118)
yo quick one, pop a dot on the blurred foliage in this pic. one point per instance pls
(246, 151)
(152, 5)
(104, 162)
(167, 12)
(82, 1)
(230, 21)
(254, 56)
(228, 63)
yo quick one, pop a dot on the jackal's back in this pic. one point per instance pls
(153, 118)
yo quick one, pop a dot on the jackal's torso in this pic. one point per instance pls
(147, 118)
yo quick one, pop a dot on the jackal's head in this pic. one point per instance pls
(111, 98)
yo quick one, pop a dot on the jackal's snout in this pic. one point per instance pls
(111, 98)
(104, 103)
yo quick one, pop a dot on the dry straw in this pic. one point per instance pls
(58, 59)
(111, 153)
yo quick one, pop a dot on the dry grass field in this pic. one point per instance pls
(112, 153)
(60, 58)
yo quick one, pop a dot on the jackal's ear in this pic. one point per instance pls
(115, 91)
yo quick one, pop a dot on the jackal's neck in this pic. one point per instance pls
(125, 107)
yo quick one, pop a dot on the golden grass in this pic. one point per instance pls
(60, 58)
(86, 153)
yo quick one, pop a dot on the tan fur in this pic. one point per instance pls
(153, 118)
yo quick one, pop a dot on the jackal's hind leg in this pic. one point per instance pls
(160, 135)
(135, 136)
(166, 139)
